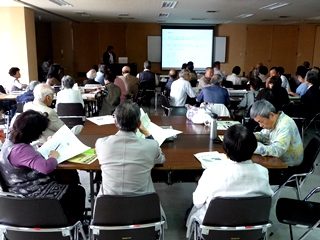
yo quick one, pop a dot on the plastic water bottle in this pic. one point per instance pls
(213, 126)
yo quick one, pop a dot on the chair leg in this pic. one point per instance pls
(275, 230)
(309, 231)
(291, 236)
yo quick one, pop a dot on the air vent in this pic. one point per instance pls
(283, 16)
(126, 18)
(246, 15)
(123, 14)
(169, 4)
(212, 11)
(164, 15)
(197, 19)
(268, 20)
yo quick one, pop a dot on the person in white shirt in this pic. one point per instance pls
(180, 89)
(285, 83)
(68, 95)
(263, 71)
(234, 77)
(234, 176)
(216, 69)
(14, 84)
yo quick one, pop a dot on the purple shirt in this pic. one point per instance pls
(23, 155)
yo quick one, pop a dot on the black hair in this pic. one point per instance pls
(28, 127)
(54, 71)
(263, 70)
(281, 70)
(236, 70)
(13, 71)
(302, 71)
(127, 115)
(110, 77)
(109, 48)
(255, 82)
(239, 143)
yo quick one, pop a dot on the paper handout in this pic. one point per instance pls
(224, 125)
(102, 120)
(86, 157)
(65, 142)
(158, 133)
(208, 159)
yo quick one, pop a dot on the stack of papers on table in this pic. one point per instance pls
(102, 120)
(65, 142)
(86, 157)
(224, 125)
(209, 159)
(158, 133)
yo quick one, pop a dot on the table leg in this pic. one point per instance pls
(92, 197)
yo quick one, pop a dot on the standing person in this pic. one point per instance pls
(53, 77)
(125, 164)
(68, 95)
(111, 99)
(205, 81)
(148, 79)
(25, 171)
(109, 57)
(14, 84)
(235, 176)
(180, 89)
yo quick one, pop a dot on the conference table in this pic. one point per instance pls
(179, 153)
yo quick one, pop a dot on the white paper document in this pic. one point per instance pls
(208, 159)
(158, 133)
(102, 120)
(224, 125)
(65, 142)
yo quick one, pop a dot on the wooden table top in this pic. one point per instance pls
(179, 153)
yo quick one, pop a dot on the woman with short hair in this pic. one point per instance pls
(68, 95)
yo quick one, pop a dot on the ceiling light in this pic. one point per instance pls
(169, 4)
(161, 21)
(61, 3)
(162, 15)
(82, 14)
(245, 15)
(197, 19)
(123, 14)
(226, 22)
(274, 6)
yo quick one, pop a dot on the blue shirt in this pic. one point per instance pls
(168, 85)
(26, 97)
(214, 94)
(100, 78)
(301, 89)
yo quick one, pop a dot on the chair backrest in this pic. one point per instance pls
(250, 214)
(220, 109)
(178, 111)
(71, 114)
(294, 110)
(115, 210)
(310, 155)
(165, 104)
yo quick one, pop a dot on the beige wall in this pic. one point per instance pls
(17, 43)
(84, 44)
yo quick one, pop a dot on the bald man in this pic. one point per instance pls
(131, 83)
(173, 76)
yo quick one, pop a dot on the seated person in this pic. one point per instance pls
(53, 77)
(250, 97)
(215, 93)
(68, 95)
(310, 99)
(26, 172)
(91, 75)
(279, 137)
(172, 77)
(205, 81)
(43, 96)
(111, 99)
(235, 176)
(147, 79)
(274, 93)
(28, 95)
(125, 164)
(103, 69)
(193, 75)
(234, 77)
(263, 71)
(14, 84)
(180, 89)
(302, 88)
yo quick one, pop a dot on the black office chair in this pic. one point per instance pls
(170, 110)
(302, 213)
(35, 219)
(135, 217)
(298, 174)
(71, 114)
(235, 218)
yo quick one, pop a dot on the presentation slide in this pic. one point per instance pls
(183, 45)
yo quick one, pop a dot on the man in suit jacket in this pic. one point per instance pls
(109, 57)
(43, 96)
(131, 82)
(126, 160)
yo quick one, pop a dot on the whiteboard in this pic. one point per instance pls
(154, 48)
(219, 51)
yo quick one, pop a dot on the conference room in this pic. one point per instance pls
(285, 36)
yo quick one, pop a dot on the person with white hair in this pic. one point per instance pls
(68, 95)
(43, 97)
(91, 75)
(180, 89)
(131, 83)
(28, 95)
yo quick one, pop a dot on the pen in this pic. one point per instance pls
(57, 146)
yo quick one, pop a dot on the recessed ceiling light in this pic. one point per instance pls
(61, 3)
(274, 6)
(164, 15)
(169, 4)
(245, 15)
